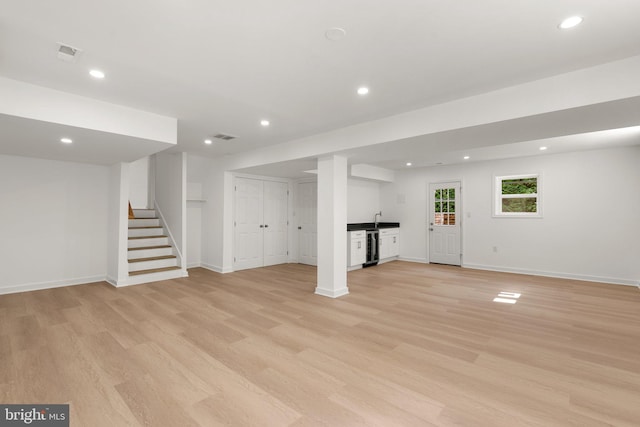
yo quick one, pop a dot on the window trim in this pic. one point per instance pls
(498, 196)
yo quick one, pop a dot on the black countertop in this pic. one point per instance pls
(371, 226)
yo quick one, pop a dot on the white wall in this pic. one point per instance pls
(139, 183)
(363, 200)
(170, 196)
(196, 177)
(212, 217)
(53, 223)
(581, 234)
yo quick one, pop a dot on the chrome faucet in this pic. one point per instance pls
(375, 219)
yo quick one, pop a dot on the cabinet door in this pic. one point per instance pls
(395, 245)
(361, 248)
(385, 246)
(357, 252)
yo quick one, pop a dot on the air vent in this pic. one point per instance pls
(68, 53)
(224, 137)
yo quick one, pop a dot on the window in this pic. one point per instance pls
(518, 196)
(445, 206)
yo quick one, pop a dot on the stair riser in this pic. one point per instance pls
(146, 232)
(143, 213)
(147, 265)
(154, 241)
(144, 222)
(148, 253)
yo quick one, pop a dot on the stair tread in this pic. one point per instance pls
(150, 247)
(146, 237)
(153, 270)
(153, 258)
(144, 228)
(142, 218)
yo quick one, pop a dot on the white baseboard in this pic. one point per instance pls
(194, 265)
(26, 287)
(332, 294)
(586, 278)
(418, 260)
(216, 268)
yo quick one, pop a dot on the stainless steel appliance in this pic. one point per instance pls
(372, 248)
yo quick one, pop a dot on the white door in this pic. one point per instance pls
(307, 223)
(276, 195)
(249, 235)
(444, 223)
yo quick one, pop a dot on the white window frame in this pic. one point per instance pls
(498, 196)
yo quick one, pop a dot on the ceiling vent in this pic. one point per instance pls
(68, 53)
(224, 137)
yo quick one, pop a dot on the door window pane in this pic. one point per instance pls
(445, 206)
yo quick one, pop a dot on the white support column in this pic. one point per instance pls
(332, 227)
(118, 267)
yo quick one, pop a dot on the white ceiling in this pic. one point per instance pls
(221, 66)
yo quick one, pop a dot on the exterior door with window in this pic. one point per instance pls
(444, 223)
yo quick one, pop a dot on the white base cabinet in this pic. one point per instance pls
(389, 243)
(357, 248)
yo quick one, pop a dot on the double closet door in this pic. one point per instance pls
(261, 223)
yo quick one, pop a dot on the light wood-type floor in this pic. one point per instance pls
(411, 345)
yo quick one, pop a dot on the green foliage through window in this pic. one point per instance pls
(520, 186)
(517, 195)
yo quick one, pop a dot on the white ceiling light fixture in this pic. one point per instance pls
(265, 123)
(466, 157)
(543, 148)
(66, 140)
(363, 90)
(570, 22)
(208, 141)
(97, 74)
(409, 163)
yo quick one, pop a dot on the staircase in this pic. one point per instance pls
(149, 249)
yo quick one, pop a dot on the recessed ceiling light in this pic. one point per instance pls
(466, 157)
(409, 163)
(208, 141)
(66, 140)
(334, 34)
(570, 22)
(97, 74)
(363, 90)
(543, 148)
(264, 122)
